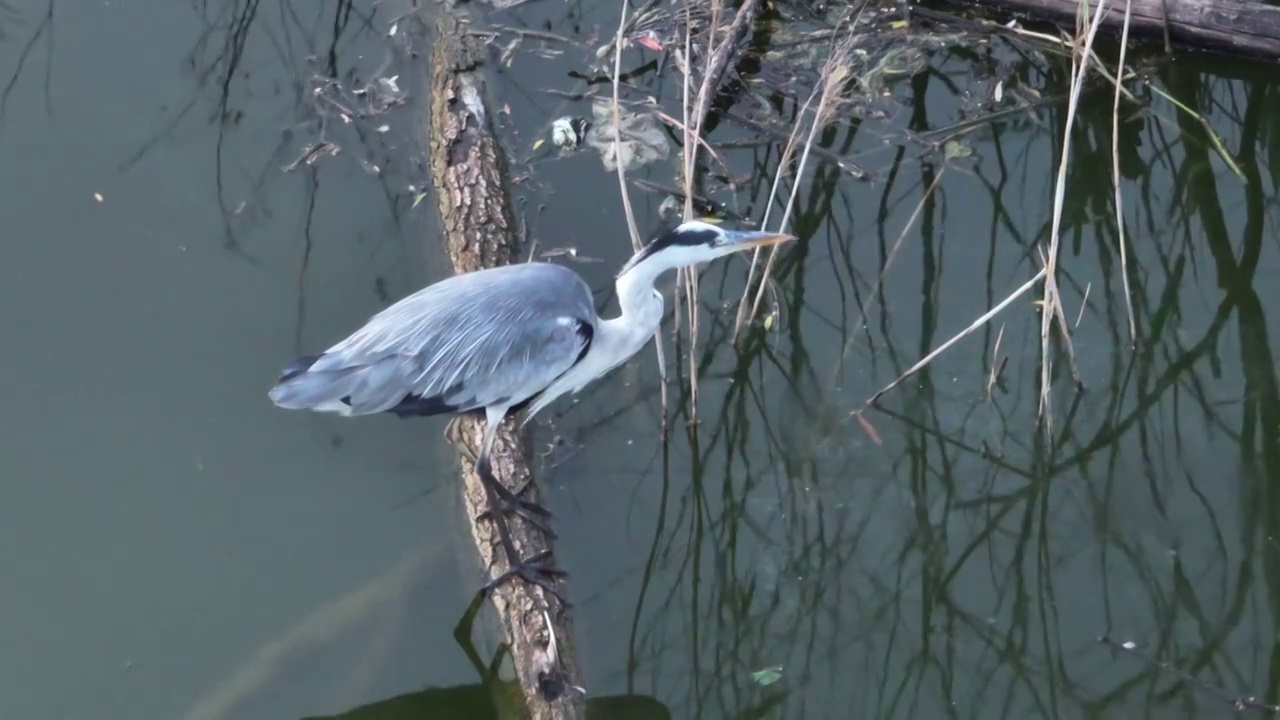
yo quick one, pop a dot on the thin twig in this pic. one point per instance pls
(696, 136)
(834, 73)
(494, 30)
(997, 363)
(783, 161)
(723, 56)
(1052, 301)
(693, 129)
(1115, 168)
(1208, 129)
(941, 348)
(830, 88)
(1083, 304)
(632, 228)
(839, 161)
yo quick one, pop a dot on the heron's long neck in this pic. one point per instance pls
(623, 336)
(616, 339)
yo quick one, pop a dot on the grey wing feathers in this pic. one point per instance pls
(494, 337)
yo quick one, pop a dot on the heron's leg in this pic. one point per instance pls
(451, 436)
(512, 499)
(502, 500)
(534, 570)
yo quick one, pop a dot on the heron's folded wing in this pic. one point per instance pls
(472, 341)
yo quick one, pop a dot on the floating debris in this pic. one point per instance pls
(313, 153)
(635, 141)
(389, 85)
(767, 676)
(567, 132)
(671, 209)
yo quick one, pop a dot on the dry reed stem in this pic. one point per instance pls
(632, 228)
(689, 151)
(831, 86)
(1052, 300)
(1115, 172)
(997, 363)
(1059, 315)
(1218, 144)
(718, 58)
(956, 338)
(783, 161)
(683, 128)
(831, 81)
(1084, 304)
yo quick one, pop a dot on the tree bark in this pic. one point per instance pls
(1248, 28)
(468, 171)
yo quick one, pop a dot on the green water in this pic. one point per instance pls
(172, 546)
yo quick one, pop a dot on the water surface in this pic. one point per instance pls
(174, 546)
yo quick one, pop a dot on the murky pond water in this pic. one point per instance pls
(172, 546)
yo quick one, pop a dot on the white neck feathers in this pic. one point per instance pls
(615, 339)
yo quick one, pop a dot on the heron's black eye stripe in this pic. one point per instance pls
(675, 237)
(685, 237)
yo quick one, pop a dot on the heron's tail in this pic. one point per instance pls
(301, 388)
(311, 383)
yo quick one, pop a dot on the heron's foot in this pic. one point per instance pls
(533, 513)
(507, 501)
(516, 498)
(534, 570)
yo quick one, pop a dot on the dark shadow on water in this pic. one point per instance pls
(492, 698)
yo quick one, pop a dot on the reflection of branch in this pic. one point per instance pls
(764, 513)
(46, 25)
(1239, 702)
(227, 61)
(973, 326)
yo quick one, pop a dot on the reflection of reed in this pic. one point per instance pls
(43, 30)
(965, 568)
(973, 579)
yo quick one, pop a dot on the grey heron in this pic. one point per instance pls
(500, 340)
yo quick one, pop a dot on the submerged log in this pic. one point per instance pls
(1248, 28)
(468, 171)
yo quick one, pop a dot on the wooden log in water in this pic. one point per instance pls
(1248, 28)
(468, 171)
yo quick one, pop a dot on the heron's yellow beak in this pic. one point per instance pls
(747, 239)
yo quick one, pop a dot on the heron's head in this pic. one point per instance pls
(696, 242)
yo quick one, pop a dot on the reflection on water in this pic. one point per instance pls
(174, 547)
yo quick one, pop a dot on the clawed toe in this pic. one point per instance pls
(509, 501)
(534, 570)
(533, 514)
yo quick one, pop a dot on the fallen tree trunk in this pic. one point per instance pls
(468, 171)
(1248, 28)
